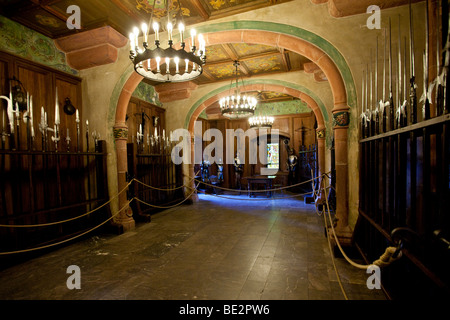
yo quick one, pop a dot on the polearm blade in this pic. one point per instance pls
(425, 98)
(362, 108)
(376, 112)
(399, 78)
(9, 113)
(382, 102)
(439, 79)
(366, 112)
(391, 98)
(404, 107)
(445, 70)
(412, 80)
(370, 115)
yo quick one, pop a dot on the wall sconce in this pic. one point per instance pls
(19, 95)
(68, 107)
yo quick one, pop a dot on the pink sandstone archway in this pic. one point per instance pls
(295, 44)
(312, 104)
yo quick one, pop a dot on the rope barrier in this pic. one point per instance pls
(67, 220)
(385, 259)
(247, 191)
(161, 189)
(256, 199)
(70, 239)
(168, 207)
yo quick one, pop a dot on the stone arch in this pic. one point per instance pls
(297, 91)
(301, 41)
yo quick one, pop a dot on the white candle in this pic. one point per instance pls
(156, 133)
(156, 29)
(57, 121)
(201, 43)
(169, 30)
(177, 60)
(193, 33)
(158, 60)
(42, 117)
(144, 31)
(181, 29)
(132, 44)
(136, 37)
(30, 114)
(167, 65)
(77, 116)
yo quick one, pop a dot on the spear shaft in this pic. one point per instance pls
(426, 102)
(412, 80)
(391, 98)
(377, 129)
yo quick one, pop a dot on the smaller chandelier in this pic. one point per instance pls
(170, 64)
(261, 122)
(235, 106)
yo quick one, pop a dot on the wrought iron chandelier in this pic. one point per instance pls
(261, 122)
(169, 64)
(235, 106)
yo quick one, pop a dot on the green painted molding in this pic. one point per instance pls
(281, 108)
(147, 92)
(29, 44)
(323, 110)
(303, 34)
(116, 94)
(259, 81)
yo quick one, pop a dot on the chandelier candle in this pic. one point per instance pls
(147, 59)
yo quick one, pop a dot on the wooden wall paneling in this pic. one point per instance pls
(68, 88)
(37, 184)
(38, 82)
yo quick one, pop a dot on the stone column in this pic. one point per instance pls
(321, 144)
(321, 139)
(342, 120)
(189, 174)
(125, 217)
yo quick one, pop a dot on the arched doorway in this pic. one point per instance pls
(301, 41)
(296, 91)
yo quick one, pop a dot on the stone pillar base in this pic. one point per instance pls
(127, 224)
(125, 220)
(344, 236)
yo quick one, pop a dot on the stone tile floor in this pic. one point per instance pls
(214, 249)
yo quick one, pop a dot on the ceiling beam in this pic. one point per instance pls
(285, 59)
(234, 57)
(201, 9)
